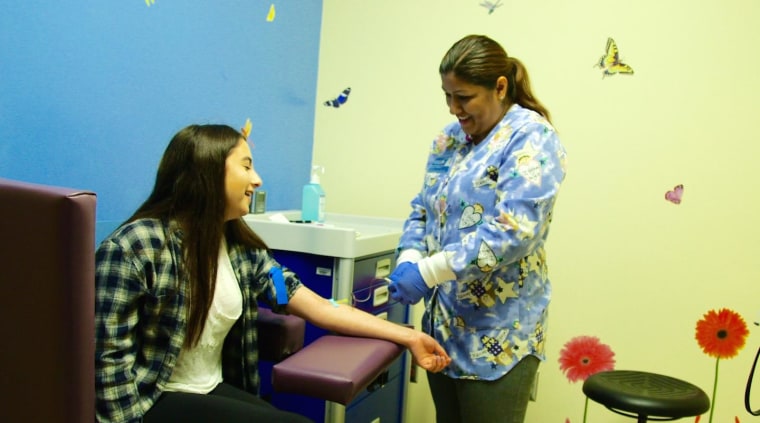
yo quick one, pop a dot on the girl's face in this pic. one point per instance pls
(240, 181)
(477, 108)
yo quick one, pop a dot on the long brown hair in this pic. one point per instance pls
(479, 60)
(190, 191)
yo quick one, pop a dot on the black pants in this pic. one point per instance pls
(225, 404)
(504, 400)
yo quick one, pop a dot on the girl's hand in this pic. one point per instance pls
(427, 352)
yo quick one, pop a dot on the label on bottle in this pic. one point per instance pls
(259, 203)
(321, 208)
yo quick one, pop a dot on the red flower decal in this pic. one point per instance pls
(583, 356)
(721, 334)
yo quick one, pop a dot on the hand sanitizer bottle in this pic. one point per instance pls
(313, 200)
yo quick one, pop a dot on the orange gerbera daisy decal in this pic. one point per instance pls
(583, 356)
(721, 334)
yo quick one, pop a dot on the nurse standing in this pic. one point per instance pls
(473, 244)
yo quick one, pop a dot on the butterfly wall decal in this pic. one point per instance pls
(490, 5)
(271, 14)
(675, 195)
(340, 99)
(246, 129)
(610, 61)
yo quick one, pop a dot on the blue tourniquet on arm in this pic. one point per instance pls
(279, 285)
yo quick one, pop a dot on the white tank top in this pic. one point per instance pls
(199, 369)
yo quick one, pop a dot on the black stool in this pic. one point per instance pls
(646, 396)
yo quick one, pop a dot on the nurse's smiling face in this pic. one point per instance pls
(477, 108)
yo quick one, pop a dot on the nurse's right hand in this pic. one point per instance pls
(407, 285)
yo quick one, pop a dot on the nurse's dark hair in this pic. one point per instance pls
(190, 191)
(479, 60)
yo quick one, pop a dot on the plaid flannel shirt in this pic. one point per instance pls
(140, 316)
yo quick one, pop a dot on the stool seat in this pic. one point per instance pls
(646, 395)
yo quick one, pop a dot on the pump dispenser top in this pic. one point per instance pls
(315, 175)
(313, 200)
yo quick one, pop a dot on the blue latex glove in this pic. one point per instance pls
(407, 285)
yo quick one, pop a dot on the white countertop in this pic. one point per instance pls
(341, 235)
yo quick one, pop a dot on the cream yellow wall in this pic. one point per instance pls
(626, 265)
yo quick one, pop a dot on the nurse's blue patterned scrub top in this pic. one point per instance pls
(488, 208)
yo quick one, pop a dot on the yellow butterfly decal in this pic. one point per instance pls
(149, 2)
(610, 61)
(246, 129)
(271, 14)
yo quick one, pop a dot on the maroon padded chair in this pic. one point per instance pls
(47, 352)
(47, 303)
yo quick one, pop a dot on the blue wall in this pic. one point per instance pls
(92, 91)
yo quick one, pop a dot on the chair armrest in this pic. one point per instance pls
(335, 368)
(280, 335)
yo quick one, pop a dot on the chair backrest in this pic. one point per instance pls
(47, 303)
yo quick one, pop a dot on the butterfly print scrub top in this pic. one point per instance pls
(488, 207)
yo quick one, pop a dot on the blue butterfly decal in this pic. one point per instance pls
(490, 5)
(340, 100)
